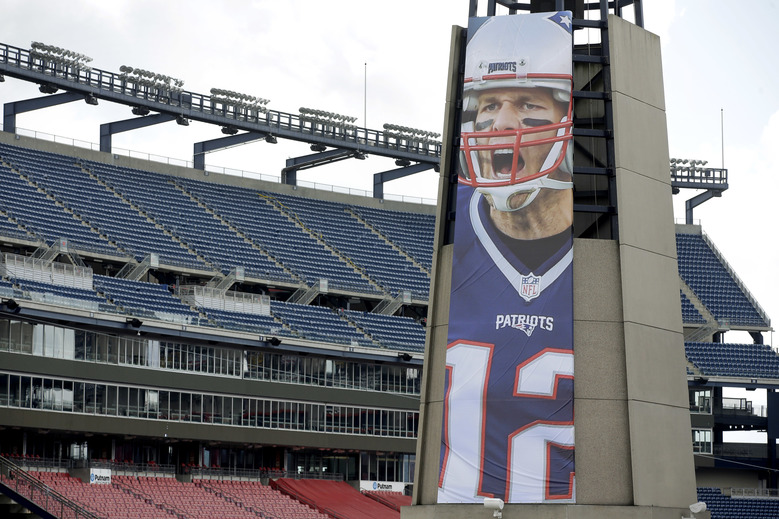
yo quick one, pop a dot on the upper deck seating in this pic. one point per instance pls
(700, 268)
(412, 232)
(367, 250)
(179, 214)
(297, 250)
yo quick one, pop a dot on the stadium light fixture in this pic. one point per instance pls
(318, 147)
(359, 155)
(229, 130)
(271, 139)
(90, 99)
(324, 117)
(402, 163)
(404, 356)
(140, 110)
(182, 121)
(59, 56)
(2, 78)
(410, 134)
(237, 99)
(149, 79)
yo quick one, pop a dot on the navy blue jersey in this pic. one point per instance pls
(508, 417)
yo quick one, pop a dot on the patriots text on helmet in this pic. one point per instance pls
(502, 66)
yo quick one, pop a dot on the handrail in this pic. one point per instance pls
(40, 494)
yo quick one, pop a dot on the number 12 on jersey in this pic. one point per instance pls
(537, 453)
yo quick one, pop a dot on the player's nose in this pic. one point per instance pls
(507, 118)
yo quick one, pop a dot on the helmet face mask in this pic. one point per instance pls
(517, 120)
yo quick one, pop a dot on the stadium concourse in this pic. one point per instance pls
(237, 344)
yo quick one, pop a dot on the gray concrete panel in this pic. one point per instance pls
(655, 365)
(603, 466)
(650, 289)
(638, 78)
(428, 453)
(597, 291)
(663, 469)
(642, 145)
(599, 361)
(645, 213)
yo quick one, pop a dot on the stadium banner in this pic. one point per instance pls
(508, 427)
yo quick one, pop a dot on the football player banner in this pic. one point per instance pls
(508, 402)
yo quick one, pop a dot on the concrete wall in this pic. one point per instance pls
(658, 411)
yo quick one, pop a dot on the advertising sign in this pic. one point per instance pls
(100, 476)
(508, 408)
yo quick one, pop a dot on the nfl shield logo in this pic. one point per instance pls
(529, 288)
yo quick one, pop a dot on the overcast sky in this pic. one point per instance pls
(386, 62)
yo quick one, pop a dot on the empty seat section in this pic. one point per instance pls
(63, 179)
(690, 314)
(412, 232)
(339, 497)
(711, 281)
(109, 500)
(149, 300)
(318, 324)
(159, 198)
(734, 360)
(284, 241)
(367, 250)
(393, 332)
(726, 507)
(42, 217)
(257, 497)
(264, 324)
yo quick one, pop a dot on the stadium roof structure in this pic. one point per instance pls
(414, 150)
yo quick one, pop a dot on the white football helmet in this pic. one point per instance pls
(518, 51)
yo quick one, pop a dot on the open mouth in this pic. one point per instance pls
(502, 162)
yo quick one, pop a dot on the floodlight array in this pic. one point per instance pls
(689, 166)
(411, 134)
(322, 116)
(59, 55)
(228, 97)
(151, 79)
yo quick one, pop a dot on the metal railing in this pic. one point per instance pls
(121, 88)
(762, 493)
(28, 488)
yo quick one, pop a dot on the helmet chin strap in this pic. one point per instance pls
(500, 195)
